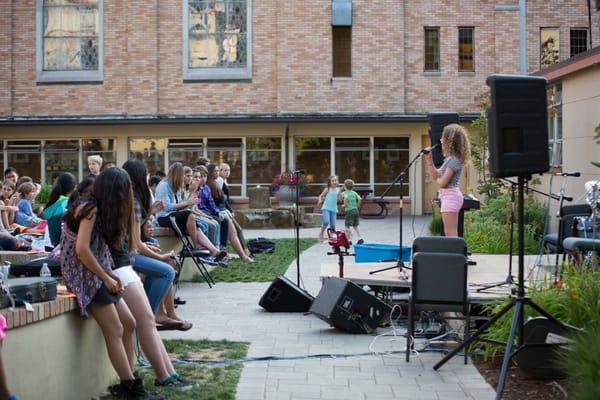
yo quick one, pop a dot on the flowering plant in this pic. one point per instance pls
(286, 179)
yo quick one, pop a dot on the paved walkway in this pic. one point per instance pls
(231, 311)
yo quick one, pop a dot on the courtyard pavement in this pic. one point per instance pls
(230, 311)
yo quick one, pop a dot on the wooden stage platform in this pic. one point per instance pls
(490, 268)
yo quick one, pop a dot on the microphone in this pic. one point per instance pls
(299, 171)
(428, 149)
(573, 174)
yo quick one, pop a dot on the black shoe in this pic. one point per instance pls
(175, 383)
(134, 390)
(221, 256)
(360, 241)
(179, 301)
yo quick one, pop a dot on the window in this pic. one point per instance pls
(352, 159)
(578, 41)
(313, 154)
(69, 40)
(25, 156)
(217, 39)
(391, 156)
(555, 125)
(105, 148)
(549, 46)
(432, 49)
(342, 51)
(150, 151)
(465, 49)
(186, 151)
(228, 151)
(263, 160)
(61, 156)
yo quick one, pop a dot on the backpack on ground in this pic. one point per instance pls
(261, 245)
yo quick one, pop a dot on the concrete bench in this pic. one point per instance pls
(20, 257)
(52, 353)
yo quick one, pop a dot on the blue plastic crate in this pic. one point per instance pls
(375, 252)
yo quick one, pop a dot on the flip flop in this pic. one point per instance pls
(185, 326)
(170, 326)
(178, 300)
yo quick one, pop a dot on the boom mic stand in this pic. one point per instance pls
(518, 302)
(400, 178)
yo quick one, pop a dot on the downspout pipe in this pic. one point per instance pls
(523, 37)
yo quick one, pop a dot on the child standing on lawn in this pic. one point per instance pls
(329, 198)
(351, 203)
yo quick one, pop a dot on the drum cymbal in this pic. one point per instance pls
(595, 163)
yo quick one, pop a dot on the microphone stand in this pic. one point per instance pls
(297, 223)
(400, 178)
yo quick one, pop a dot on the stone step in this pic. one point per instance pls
(312, 220)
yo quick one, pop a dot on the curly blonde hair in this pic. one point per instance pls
(456, 142)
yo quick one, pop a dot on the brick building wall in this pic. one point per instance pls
(292, 59)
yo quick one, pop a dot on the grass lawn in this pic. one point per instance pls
(215, 382)
(265, 268)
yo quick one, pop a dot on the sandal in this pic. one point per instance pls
(185, 326)
(178, 300)
(170, 326)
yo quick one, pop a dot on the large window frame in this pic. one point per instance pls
(466, 38)
(216, 73)
(68, 76)
(575, 37)
(431, 49)
(549, 55)
(555, 128)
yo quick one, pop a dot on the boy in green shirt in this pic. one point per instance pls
(351, 203)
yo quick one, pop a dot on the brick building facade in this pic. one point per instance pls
(143, 92)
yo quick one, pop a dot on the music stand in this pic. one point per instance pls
(400, 178)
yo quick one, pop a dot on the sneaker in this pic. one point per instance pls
(210, 260)
(134, 390)
(360, 241)
(175, 383)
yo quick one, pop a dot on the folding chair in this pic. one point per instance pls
(188, 251)
(553, 242)
(439, 281)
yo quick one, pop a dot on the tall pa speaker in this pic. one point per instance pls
(346, 306)
(437, 123)
(284, 296)
(518, 125)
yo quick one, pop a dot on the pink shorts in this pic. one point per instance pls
(452, 199)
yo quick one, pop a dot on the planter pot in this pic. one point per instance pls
(286, 194)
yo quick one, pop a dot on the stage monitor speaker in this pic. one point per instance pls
(346, 306)
(284, 296)
(437, 123)
(518, 126)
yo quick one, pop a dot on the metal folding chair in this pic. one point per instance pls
(188, 251)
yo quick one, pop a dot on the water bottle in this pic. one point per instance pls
(6, 269)
(45, 271)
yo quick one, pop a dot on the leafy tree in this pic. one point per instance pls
(487, 185)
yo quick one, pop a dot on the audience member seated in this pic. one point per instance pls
(57, 205)
(25, 215)
(223, 174)
(169, 191)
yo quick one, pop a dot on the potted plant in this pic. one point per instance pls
(284, 187)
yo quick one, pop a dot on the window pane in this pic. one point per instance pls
(578, 41)
(352, 159)
(228, 151)
(313, 155)
(217, 34)
(70, 35)
(61, 162)
(105, 148)
(549, 47)
(151, 151)
(465, 49)
(342, 51)
(186, 151)
(391, 157)
(263, 160)
(432, 49)
(26, 163)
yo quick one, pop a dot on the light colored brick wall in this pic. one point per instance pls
(562, 14)
(292, 59)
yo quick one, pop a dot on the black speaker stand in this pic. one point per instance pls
(518, 302)
(297, 226)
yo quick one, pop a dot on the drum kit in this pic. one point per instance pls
(589, 227)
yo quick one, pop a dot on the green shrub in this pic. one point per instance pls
(576, 303)
(435, 223)
(487, 229)
(42, 197)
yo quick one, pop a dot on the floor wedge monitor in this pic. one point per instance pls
(284, 296)
(346, 306)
